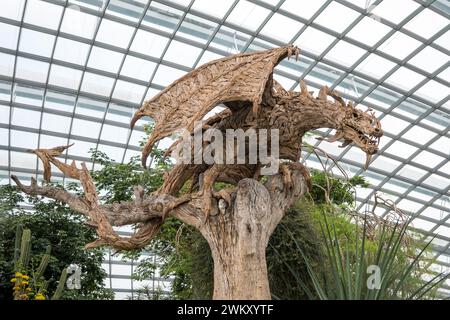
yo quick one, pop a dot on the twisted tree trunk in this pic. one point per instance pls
(239, 235)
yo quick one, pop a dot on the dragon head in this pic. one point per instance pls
(362, 128)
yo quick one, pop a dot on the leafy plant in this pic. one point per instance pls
(67, 239)
(341, 191)
(389, 275)
(147, 293)
(29, 283)
(115, 181)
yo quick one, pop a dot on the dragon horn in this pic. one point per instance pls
(303, 88)
(323, 93)
(147, 149)
(138, 114)
(368, 159)
(337, 97)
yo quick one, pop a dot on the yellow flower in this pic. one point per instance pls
(13, 280)
(24, 296)
(18, 275)
(26, 277)
(39, 296)
(15, 288)
(24, 283)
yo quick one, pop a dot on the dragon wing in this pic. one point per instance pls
(241, 77)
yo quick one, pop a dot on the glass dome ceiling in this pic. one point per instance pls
(75, 72)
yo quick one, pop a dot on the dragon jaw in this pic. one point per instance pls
(362, 128)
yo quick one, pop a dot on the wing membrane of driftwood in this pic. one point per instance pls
(242, 77)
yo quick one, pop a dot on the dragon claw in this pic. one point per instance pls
(287, 177)
(286, 171)
(178, 202)
(206, 195)
(224, 194)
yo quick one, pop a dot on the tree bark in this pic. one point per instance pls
(239, 235)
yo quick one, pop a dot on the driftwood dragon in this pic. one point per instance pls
(253, 99)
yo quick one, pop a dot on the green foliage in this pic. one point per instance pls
(348, 278)
(27, 280)
(149, 293)
(9, 198)
(341, 191)
(115, 181)
(54, 225)
(280, 254)
(189, 260)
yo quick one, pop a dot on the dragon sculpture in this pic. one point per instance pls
(244, 84)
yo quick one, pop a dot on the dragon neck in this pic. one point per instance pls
(309, 113)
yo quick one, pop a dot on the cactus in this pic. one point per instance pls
(17, 242)
(25, 248)
(23, 288)
(60, 288)
(43, 265)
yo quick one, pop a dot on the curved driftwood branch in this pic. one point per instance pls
(74, 202)
(147, 211)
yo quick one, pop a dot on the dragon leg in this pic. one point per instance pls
(286, 171)
(224, 194)
(207, 185)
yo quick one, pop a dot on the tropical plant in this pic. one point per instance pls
(147, 292)
(386, 270)
(28, 281)
(66, 241)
